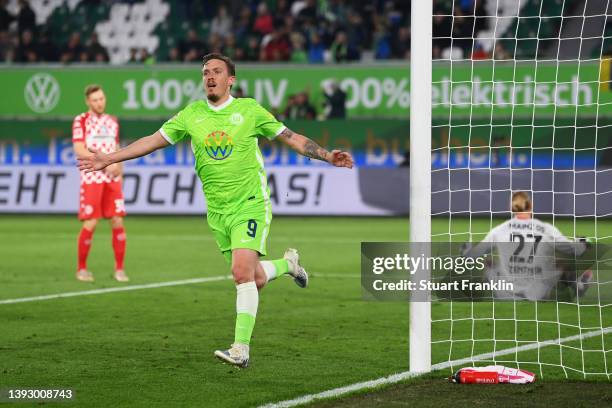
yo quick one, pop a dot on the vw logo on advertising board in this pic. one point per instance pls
(42, 92)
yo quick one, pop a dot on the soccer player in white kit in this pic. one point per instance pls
(526, 254)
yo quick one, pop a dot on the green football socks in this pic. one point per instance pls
(247, 300)
(275, 268)
(244, 328)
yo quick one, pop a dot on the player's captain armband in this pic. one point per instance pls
(494, 374)
(175, 129)
(266, 123)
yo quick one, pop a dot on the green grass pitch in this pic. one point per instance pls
(155, 346)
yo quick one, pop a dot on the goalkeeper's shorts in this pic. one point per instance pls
(246, 228)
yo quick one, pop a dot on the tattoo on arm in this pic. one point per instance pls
(287, 133)
(309, 148)
(313, 150)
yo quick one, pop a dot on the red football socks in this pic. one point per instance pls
(119, 247)
(84, 245)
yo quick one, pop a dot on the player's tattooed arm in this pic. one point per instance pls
(309, 148)
(303, 145)
(287, 133)
(314, 151)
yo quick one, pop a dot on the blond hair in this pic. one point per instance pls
(521, 202)
(91, 89)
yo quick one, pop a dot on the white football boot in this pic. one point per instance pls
(84, 275)
(299, 274)
(237, 355)
(120, 276)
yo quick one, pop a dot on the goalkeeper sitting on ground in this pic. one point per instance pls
(526, 257)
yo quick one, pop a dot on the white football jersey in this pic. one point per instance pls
(525, 255)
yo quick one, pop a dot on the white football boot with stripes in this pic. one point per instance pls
(297, 271)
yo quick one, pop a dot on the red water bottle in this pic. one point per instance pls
(492, 374)
(467, 376)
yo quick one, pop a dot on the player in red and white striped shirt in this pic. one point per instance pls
(101, 195)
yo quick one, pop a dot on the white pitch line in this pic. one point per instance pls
(117, 289)
(395, 378)
(198, 238)
(146, 286)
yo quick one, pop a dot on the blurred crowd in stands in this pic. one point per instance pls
(313, 31)
(299, 31)
(23, 41)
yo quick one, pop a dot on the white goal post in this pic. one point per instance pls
(521, 103)
(420, 171)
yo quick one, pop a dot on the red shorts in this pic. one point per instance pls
(101, 200)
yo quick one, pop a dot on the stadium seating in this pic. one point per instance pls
(131, 26)
(43, 8)
(74, 17)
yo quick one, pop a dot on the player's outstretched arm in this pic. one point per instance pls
(96, 160)
(307, 147)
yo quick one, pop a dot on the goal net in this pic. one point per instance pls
(521, 100)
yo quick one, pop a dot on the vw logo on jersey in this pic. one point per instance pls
(236, 119)
(218, 145)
